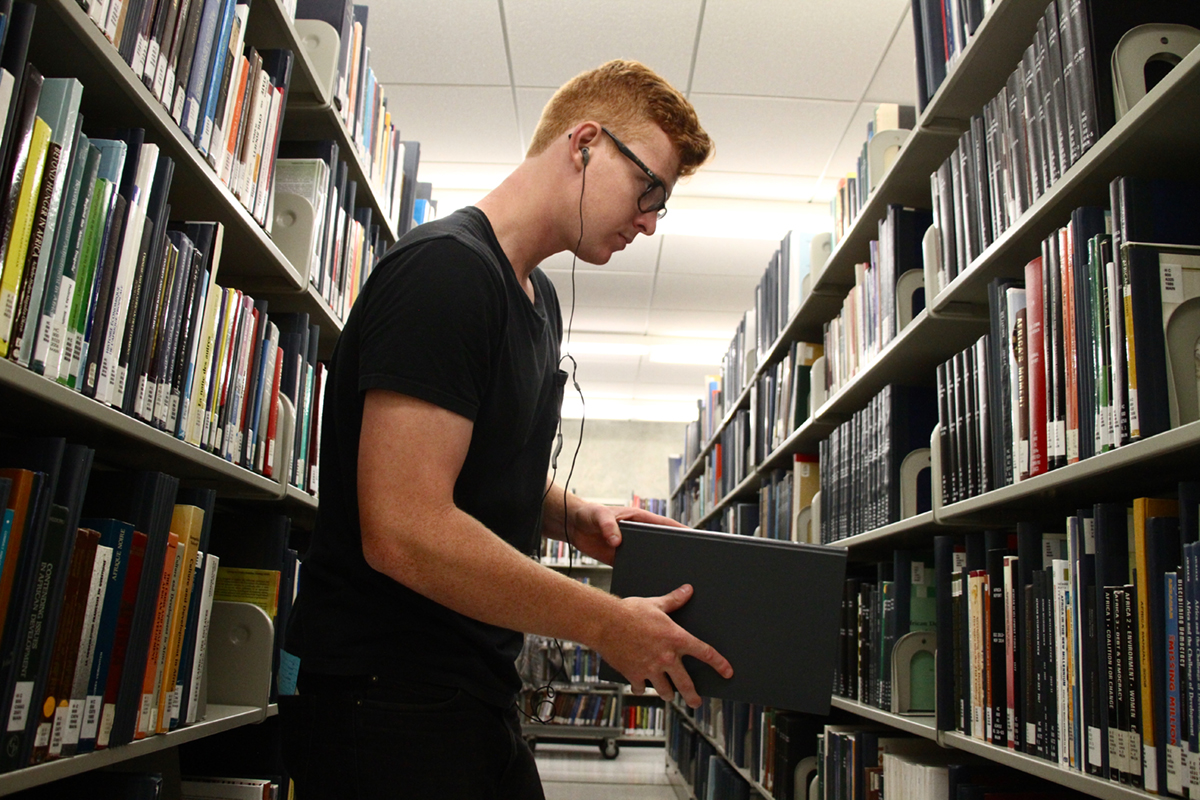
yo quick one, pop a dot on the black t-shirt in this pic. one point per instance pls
(443, 319)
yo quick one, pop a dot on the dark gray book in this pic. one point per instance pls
(763, 604)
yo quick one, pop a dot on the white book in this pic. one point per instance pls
(264, 415)
(267, 160)
(200, 656)
(1062, 633)
(229, 147)
(124, 278)
(1018, 381)
(215, 147)
(258, 132)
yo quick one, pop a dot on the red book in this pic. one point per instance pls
(273, 417)
(133, 576)
(1066, 261)
(1035, 356)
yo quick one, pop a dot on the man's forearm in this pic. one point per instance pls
(555, 523)
(467, 568)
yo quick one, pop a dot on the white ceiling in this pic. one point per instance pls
(784, 87)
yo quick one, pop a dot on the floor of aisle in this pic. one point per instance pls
(580, 772)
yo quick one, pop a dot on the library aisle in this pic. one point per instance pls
(580, 772)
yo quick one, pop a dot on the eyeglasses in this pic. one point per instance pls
(654, 199)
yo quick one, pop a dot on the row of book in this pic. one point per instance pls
(780, 403)
(644, 720)
(780, 291)
(655, 505)
(102, 293)
(881, 603)
(874, 161)
(107, 580)
(941, 30)
(1055, 106)
(861, 462)
(705, 772)
(1079, 647)
(595, 710)
(227, 97)
(544, 661)
(360, 100)
(870, 318)
(1085, 355)
(557, 553)
(346, 238)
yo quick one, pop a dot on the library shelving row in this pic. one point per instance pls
(65, 42)
(1154, 139)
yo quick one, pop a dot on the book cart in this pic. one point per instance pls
(1156, 138)
(66, 42)
(607, 737)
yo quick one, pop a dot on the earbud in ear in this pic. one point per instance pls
(587, 154)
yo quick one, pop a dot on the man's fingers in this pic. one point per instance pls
(709, 655)
(676, 599)
(663, 687)
(683, 683)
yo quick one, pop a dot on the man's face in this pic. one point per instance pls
(613, 209)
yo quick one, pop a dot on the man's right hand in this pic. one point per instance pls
(644, 644)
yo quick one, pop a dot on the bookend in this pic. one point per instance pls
(1180, 268)
(910, 473)
(815, 510)
(913, 673)
(818, 392)
(819, 250)
(240, 643)
(804, 526)
(882, 150)
(935, 470)
(1151, 49)
(323, 44)
(931, 253)
(294, 231)
(907, 287)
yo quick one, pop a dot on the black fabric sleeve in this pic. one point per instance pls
(431, 322)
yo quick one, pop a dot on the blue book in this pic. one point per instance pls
(210, 21)
(1174, 720)
(211, 89)
(119, 536)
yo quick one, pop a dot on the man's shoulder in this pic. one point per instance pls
(464, 233)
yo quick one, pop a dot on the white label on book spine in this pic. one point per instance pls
(160, 78)
(1171, 281)
(1073, 445)
(147, 708)
(114, 16)
(20, 707)
(118, 395)
(74, 722)
(1174, 769)
(177, 105)
(150, 72)
(91, 716)
(139, 55)
(191, 116)
(139, 400)
(42, 736)
(59, 729)
(1095, 752)
(8, 308)
(106, 723)
(1193, 767)
(1150, 774)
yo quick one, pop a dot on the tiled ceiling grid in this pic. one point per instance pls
(784, 87)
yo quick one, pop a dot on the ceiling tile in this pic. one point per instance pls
(423, 41)
(591, 319)
(470, 124)
(698, 255)
(602, 289)
(681, 374)
(704, 292)
(743, 185)
(552, 41)
(640, 256)
(530, 103)
(793, 48)
(771, 136)
(896, 79)
(714, 324)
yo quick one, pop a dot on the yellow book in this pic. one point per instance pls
(228, 326)
(193, 406)
(188, 522)
(1143, 509)
(259, 587)
(14, 263)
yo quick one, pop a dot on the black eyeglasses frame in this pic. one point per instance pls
(659, 207)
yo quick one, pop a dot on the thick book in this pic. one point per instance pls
(654, 560)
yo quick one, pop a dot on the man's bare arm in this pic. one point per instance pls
(410, 455)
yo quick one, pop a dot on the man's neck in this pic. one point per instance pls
(524, 220)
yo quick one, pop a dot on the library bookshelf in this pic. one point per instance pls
(1156, 138)
(65, 42)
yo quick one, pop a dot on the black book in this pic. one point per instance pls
(1110, 729)
(158, 354)
(960, 458)
(20, 132)
(930, 37)
(1029, 562)
(1018, 141)
(1030, 103)
(1067, 147)
(971, 404)
(147, 499)
(1047, 118)
(1091, 621)
(13, 59)
(967, 188)
(278, 64)
(412, 160)
(349, 197)
(1056, 390)
(983, 184)
(1111, 571)
(1133, 672)
(1122, 686)
(1163, 555)
(1189, 511)
(1072, 90)
(997, 731)
(1087, 223)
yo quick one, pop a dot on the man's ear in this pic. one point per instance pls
(583, 140)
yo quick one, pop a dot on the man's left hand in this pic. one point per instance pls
(595, 532)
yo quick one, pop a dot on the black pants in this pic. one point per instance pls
(365, 738)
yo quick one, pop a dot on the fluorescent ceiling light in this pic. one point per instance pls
(636, 409)
(606, 349)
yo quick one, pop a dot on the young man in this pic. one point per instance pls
(442, 409)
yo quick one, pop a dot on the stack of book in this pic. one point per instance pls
(642, 719)
(655, 505)
(868, 321)
(861, 492)
(1079, 647)
(942, 29)
(873, 163)
(363, 108)
(105, 591)
(780, 291)
(780, 402)
(1086, 354)
(1057, 103)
